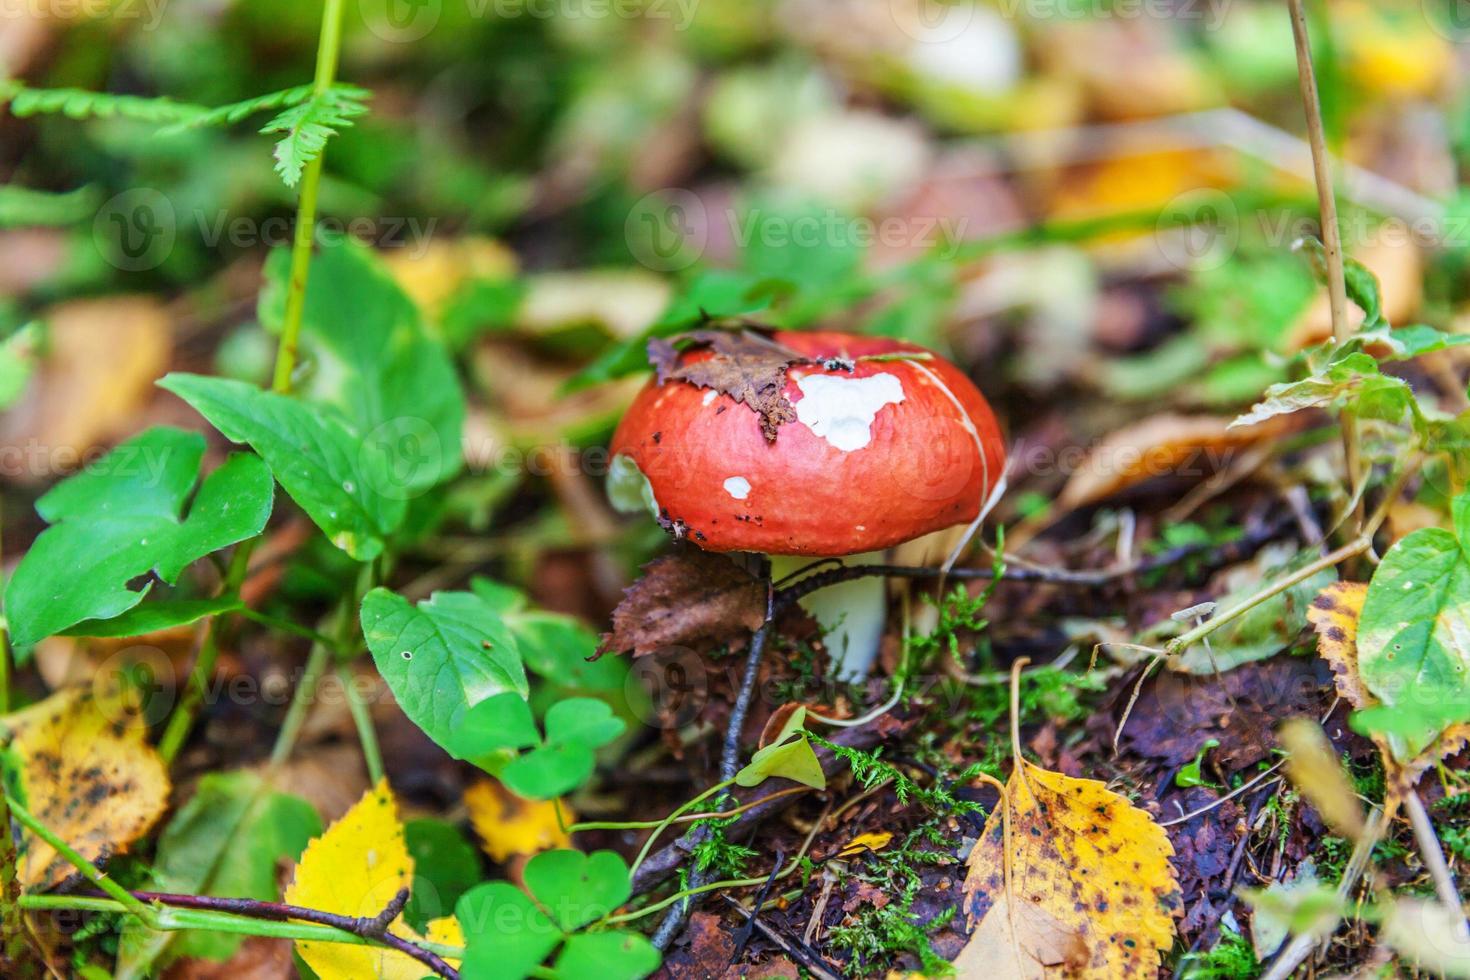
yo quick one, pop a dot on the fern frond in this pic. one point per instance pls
(23, 207)
(234, 112)
(309, 125)
(78, 103)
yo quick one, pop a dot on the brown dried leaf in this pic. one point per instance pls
(1184, 445)
(685, 598)
(746, 366)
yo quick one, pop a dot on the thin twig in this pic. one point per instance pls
(1331, 231)
(729, 757)
(1434, 862)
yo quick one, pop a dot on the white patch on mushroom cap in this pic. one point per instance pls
(709, 396)
(841, 409)
(738, 487)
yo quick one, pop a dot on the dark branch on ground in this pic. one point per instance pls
(368, 927)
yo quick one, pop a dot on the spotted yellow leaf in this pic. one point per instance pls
(509, 826)
(356, 868)
(88, 774)
(1095, 895)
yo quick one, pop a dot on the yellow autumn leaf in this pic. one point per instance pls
(1095, 895)
(866, 842)
(88, 774)
(508, 825)
(356, 868)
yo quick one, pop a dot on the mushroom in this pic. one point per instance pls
(807, 445)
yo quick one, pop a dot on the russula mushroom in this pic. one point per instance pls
(807, 445)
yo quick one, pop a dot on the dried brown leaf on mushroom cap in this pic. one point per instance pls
(747, 366)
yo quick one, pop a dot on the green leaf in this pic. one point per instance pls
(80, 104)
(607, 956)
(560, 649)
(790, 756)
(122, 519)
(317, 458)
(441, 657)
(575, 729)
(1362, 285)
(1410, 342)
(225, 841)
(506, 935)
(309, 125)
(1266, 629)
(577, 888)
(1353, 382)
(445, 866)
(375, 361)
(494, 725)
(1411, 635)
(150, 617)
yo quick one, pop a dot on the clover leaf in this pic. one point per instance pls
(124, 518)
(495, 729)
(509, 934)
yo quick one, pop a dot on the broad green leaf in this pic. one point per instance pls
(790, 756)
(1412, 636)
(225, 841)
(328, 469)
(575, 729)
(506, 935)
(445, 866)
(150, 617)
(1406, 343)
(375, 361)
(607, 956)
(441, 657)
(576, 888)
(125, 518)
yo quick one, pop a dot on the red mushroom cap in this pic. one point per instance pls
(878, 452)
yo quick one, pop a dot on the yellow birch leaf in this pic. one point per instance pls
(88, 774)
(1090, 876)
(1334, 616)
(356, 868)
(866, 842)
(508, 825)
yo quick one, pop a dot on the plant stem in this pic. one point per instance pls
(182, 719)
(146, 913)
(663, 824)
(329, 45)
(1181, 642)
(317, 662)
(1434, 862)
(363, 721)
(1331, 230)
(686, 818)
(202, 912)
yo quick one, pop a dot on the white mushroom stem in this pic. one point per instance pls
(851, 613)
